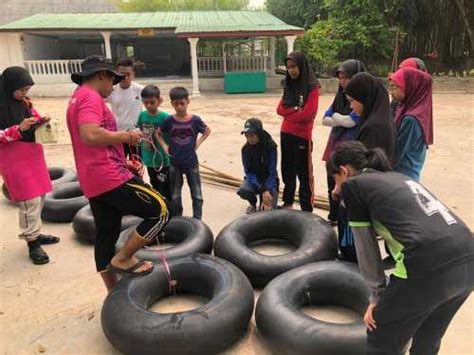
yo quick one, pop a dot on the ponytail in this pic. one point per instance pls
(359, 157)
(377, 159)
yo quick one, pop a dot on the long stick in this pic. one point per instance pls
(223, 183)
(219, 172)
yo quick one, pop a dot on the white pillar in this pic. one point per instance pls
(224, 59)
(272, 55)
(108, 48)
(194, 65)
(290, 41)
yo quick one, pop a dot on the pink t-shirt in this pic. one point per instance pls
(100, 168)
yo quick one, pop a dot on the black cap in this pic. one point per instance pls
(252, 125)
(93, 64)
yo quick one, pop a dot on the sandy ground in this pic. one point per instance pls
(56, 308)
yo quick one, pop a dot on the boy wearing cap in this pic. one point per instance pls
(259, 158)
(112, 189)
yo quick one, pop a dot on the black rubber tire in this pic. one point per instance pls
(208, 329)
(5, 192)
(61, 175)
(287, 330)
(57, 175)
(84, 226)
(314, 238)
(63, 202)
(193, 236)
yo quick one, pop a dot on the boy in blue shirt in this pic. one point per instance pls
(183, 129)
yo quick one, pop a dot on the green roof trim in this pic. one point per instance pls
(182, 22)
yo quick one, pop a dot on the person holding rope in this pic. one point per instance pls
(432, 247)
(153, 156)
(105, 178)
(298, 107)
(125, 101)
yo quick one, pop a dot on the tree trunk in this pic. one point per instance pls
(462, 6)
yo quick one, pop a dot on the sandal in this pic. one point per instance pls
(131, 270)
(45, 239)
(37, 255)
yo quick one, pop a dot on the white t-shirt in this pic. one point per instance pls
(126, 105)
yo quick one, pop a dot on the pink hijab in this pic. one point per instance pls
(417, 86)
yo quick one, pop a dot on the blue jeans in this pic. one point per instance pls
(248, 192)
(194, 183)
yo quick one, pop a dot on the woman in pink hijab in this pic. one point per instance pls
(412, 89)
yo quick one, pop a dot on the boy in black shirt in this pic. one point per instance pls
(432, 247)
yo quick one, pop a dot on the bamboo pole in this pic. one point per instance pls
(217, 179)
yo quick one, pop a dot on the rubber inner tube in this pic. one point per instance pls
(190, 235)
(63, 202)
(313, 237)
(132, 329)
(325, 283)
(84, 226)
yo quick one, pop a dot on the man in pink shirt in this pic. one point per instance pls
(105, 178)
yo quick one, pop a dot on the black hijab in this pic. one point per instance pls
(12, 111)
(258, 154)
(376, 128)
(349, 68)
(297, 90)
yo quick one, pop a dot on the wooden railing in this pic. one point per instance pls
(215, 66)
(53, 70)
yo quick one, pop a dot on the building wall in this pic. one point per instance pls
(38, 48)
(12, 10)
(11, 52)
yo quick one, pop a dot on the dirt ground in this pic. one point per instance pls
(56, 308)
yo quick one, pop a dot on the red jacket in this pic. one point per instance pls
(300, 122)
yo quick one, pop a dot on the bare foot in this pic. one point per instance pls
(130, 262)
(287, 207)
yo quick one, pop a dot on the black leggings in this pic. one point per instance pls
(296, 161)
(419, 308)
(333, 205)
(132, 198)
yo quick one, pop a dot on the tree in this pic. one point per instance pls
(301, 13)
(353, 29)
(177, 5)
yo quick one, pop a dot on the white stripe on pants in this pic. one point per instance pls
(30, 218)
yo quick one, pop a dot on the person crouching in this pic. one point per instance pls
(259, 158)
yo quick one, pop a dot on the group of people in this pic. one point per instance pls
(374, 157)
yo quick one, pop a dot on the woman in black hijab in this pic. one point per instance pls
(22, 164)
(343, 121)
(259, 158)
(298, 107)
(369, 99)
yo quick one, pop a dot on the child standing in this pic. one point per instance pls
(298, 107)
(259, 158)
(153, 155)
(22, 163)
(412, 89)
(183, 129)
(125, 100)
